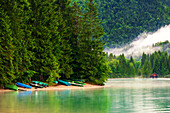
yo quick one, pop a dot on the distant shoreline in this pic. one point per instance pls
(143, 78)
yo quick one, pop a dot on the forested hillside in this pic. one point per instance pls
(124, 20)
(158, 62)
(47, 40)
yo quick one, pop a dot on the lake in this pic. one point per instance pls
(123, 96)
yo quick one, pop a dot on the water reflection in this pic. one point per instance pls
(125, 96)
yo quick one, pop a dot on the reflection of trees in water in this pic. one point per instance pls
(161, 98)
(106, 100)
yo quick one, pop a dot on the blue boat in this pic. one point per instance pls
(23, 85)
(64, 82)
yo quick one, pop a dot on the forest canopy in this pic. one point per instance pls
(124, 20)
(47, 40)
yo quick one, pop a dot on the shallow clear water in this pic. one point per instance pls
(124, 96)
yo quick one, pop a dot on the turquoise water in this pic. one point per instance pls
(123, 96)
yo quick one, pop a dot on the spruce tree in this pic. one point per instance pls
(132, 60)
(18, 12)
(164, 64)
(143, 59)
(156, 64)
(76, 34)
(6, 50)
(169, 64)
(132, 70)
(45, 35)
(122, 64)
(146, 68)
(118, 71)
(93, 62)
(65, 32)
(111, 56)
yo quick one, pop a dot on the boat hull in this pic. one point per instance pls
(23, 85)
(64, 82)
(12, 87)
(35, 85)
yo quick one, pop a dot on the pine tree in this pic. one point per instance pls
(146, 68)
(18, 12)
(128, 70)
(169, 63)
(111, 56)
(76, 34)
(118, 71)
(143, 59)
(132, 60)
(122, 64)
(156, 64)
(163, 65)
(132, 70)
(45, 35)
(6, 50)
(65, 32)
(94, 63)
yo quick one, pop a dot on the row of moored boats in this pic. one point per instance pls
(38, 84)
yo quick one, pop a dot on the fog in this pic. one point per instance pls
(143, 43)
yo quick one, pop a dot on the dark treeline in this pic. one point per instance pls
(124, 20)
(50, 39)
(157, 62)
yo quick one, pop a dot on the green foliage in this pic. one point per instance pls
(124, 20)
(6, 50)
(167, 76)
(146, 69)
(27, 76)
(161, 43)
(45, 40)
(157, 62)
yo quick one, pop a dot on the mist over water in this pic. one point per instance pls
(143, 43)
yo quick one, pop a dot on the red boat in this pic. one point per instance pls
(154, 75)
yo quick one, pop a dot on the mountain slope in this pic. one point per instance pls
(124, 20)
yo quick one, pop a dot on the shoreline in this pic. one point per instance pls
(64, 87)
(57, 88)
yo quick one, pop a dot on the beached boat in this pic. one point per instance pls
(64, 82)
(40, 83)
(55, 82)
(35, 82)
(12, 87)
(77, 84)
(35, 85)
(23, 85)
(43, 84)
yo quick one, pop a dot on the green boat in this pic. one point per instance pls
(79, 82)
(43, 84)
(76, 84)
(35, 82)
(40, 83)
(11, 86)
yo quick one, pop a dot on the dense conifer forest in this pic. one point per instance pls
(61, 39)
(124, 20)
(50, 39)
(158, 62)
